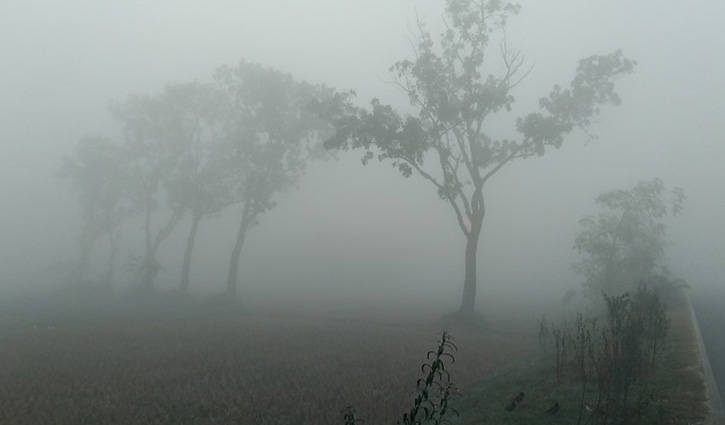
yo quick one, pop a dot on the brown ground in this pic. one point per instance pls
(253, 370)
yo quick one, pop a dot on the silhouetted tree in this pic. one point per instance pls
(271, 132)
(98, 172)
(457, 93)
(625, 244)
(154, 129)
(203, 184)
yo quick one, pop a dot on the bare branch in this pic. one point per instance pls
(437, 184)
(506, 160)
(513, 61)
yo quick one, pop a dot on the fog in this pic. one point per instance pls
(354, 232)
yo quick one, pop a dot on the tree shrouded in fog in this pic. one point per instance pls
(165, 138)
(457, 93)
(203, 185)
(98, 172)
(271, 132)
(198, 148)
(624, 245)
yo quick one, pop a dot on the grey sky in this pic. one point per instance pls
(349, 226)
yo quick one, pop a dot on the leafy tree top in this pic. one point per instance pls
(98, 173)
(456, 91)
(270, 130)
(625, 243)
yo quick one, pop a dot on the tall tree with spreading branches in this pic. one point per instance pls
(99, 173)
(203, 184)
(271, 133)
(156, 129)
(457, 93)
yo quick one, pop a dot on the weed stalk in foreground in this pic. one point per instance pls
(435, 390)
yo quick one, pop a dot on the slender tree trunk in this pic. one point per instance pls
(150, 269)
(145, 275)
(237, 252)
(184, 286)
(84, 262)
(468, 303)
(150, 265)
(113, 247)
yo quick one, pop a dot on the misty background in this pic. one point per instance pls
(362, 232)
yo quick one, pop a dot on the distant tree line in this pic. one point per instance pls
(194, 150)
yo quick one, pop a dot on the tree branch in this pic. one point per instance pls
(510, 157)
(456, 208)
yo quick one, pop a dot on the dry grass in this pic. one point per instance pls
(251, 371)
(680, 380)
(676, 392)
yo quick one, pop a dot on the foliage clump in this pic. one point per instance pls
(456, 84)
(194, 150)
(625, 243)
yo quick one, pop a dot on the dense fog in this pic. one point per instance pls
(348, 231)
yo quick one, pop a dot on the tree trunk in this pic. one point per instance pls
(150, 266)
(145, 277)
(237, 252)
(468, 303)
(113, 252)
(150, 269)
(184, 286)
(84, 262)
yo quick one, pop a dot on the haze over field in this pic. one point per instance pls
(354, 231)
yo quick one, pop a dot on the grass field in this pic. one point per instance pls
(251, 370)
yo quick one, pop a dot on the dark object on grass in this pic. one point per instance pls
(516, 400)
(553, 409)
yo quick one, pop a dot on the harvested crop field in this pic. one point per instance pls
(253, 370)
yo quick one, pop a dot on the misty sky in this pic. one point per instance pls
(350, 227)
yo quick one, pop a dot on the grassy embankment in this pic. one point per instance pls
(673, 394)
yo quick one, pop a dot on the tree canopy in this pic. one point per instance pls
(270, 132)
(194, 149)
(99, 173)
(457, 92)
(625, 243)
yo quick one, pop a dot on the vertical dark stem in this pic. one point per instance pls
(113, 252)
(237, 252)
(468, 303)
(186, 267)
(84, 261)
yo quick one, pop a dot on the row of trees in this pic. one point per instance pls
(194, 149)
(199, 148)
